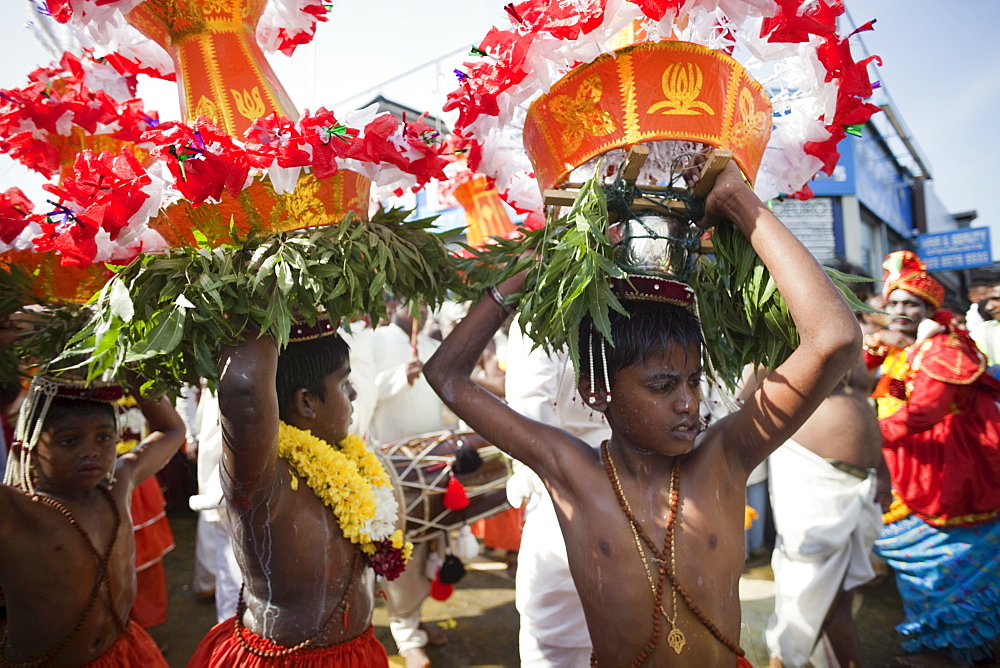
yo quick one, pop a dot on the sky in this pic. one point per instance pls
(941, 70)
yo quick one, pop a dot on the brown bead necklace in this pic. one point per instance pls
(102, 579)
(240, 631)
(676, 637)
(667, 566)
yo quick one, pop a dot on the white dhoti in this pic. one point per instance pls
(553, 630)
(404, 597)
(826, 521)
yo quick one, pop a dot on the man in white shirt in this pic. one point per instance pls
(978, 292)
(406, 406)
(987, 334)
(553, 630)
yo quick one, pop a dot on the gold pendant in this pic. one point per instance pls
(676, 640)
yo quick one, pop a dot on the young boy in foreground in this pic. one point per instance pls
(308, 591)
(67, 553)
(643, 610)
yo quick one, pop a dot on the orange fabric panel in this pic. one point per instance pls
(220, 648)
(133, 648)
(502, 531)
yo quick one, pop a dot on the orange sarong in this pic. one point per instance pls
(220, 649)
(153, 539)
(133, 648)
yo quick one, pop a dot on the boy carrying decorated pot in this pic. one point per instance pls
(654, 522)
(314, 518)
(67, 553)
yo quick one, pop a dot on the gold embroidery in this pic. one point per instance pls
(249, 102)
(218, 7)
(974, 518)
(581, 116)
(750, 121)
(951, 340)
(301, 208)
(681, 84)
(626, 76)
(208, 108)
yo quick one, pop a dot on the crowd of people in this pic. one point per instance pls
(617, 473)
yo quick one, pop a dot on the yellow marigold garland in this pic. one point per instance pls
(351, 481)
(127, 446)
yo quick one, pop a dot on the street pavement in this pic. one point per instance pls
(481, 622)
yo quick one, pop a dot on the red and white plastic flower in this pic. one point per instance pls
(791, 46)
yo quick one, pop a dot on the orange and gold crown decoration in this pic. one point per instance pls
(903, 270)
(653, 91)
(484, 210)
(224, 75)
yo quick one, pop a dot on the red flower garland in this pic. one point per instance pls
(15, 214)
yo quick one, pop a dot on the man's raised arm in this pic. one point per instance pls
(449, 373)
(248, 404)
(829, 335)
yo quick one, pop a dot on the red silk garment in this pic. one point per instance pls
(220, 648)
(942, 446)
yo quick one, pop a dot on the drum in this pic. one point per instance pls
(420, 468)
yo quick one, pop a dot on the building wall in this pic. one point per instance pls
(938, 218)
(812, 222)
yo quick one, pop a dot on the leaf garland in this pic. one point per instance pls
(55, 323)
(165, 316)
(15, 291)
(740, 305)
(569, 262)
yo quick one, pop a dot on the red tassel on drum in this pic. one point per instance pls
(455, 497)
(441, 591)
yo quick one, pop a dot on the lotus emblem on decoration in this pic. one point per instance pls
(750, 121)
(582, 115)
(681, 84)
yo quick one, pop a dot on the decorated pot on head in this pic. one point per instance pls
(568, 88)
(242, 159)
(677, 99)
(572, 94)
(655, 244)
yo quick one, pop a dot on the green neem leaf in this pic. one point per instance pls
(162, 339)
(189, 301)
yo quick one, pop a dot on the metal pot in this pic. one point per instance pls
(654, 244)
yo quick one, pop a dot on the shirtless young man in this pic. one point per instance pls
(308, 591)
(67, 554)
(828, 486)
(654, 372)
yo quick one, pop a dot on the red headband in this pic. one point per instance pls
(654, 289)
(303, 331)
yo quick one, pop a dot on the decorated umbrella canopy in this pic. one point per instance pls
(249, 214)
(562, 97)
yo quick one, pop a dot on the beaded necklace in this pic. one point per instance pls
(240, 631)
(667, 566)
(102, 579)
